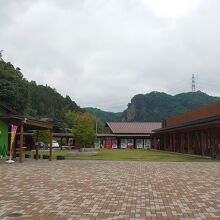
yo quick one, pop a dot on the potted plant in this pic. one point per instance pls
(60, 157)
(45, 156)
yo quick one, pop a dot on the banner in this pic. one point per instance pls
(13, 135)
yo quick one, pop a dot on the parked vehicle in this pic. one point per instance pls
(114, 146)
(42, 145)
(55, 144)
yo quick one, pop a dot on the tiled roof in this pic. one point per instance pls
(133, 127)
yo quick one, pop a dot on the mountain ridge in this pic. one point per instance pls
(156, 106)
(104, 115)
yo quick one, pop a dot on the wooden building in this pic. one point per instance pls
(127, 135)
(4, 110)
(195, 132)
(27, 125)
(9, 117)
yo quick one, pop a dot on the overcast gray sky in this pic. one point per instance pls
(103, 52)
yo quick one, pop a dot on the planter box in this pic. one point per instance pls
(217, 157)
(92, 153)
(45, 156)
(60, 157)
(27, 156)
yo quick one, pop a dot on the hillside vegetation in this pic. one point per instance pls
(157, 106)
(31, 99)
(103, 115)
(39, 101)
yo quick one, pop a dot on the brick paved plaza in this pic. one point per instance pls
(109, 190)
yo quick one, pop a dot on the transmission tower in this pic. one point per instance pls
(193, 83)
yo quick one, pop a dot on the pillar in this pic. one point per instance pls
(171, 143)
(61, 142)
(182, 143)
(37, 146)
(174, 143)
(203, 144)
(164, 142)
(21, 143)
(155, 143)
(50, 154)
(188, 143)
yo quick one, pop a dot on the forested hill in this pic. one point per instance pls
(30, 99)
(37, 101)
(157, 106)
(103, 115)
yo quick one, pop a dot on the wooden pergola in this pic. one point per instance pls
(26, 124)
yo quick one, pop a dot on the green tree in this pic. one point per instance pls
(3, 151)
(69, 119)
(83, 130)
(43, 136)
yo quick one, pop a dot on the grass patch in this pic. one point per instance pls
(129, 155)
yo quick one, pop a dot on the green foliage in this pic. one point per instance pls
(70, 119)
(83, 130)
(103, 115)
(157, 106)
(47, 102)
(43, 136)
(13, 87)
(30, 99)
(3, 150)
(37, 101)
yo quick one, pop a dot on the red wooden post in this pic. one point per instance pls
(184, 142)
(188, 143)
(155, 142)
(181, 143)
(164, 142)
(171, 143)
(202, 143)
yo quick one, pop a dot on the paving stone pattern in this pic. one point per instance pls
(109, 190)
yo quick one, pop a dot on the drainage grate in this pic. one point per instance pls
(15, 214)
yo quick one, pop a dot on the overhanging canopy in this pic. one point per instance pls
(29, 124)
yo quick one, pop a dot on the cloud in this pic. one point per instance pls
(101, 53)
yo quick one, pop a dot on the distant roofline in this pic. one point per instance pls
(143, 122)
(136, 130)
(195, 123)
(200, 113)
(123, 135)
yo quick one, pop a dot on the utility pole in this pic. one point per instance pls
(193, 83)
